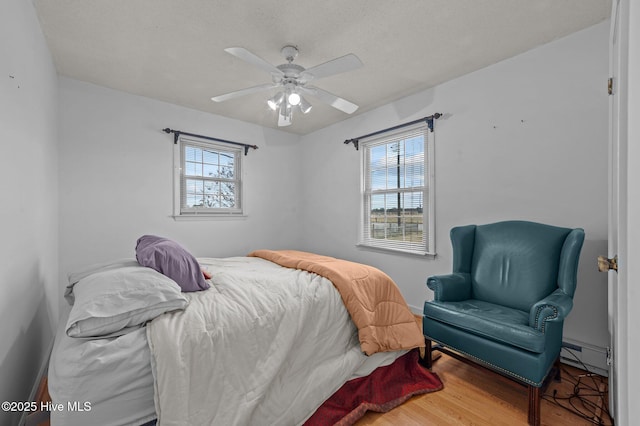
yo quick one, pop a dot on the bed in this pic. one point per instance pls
(260, 343)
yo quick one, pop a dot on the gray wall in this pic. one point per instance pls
(29, 213)
(116, 179)
(522, 139)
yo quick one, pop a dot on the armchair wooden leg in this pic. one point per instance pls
(534, 405)
(557, 377)
(428, 353)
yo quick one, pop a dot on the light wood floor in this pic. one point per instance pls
(476, 396)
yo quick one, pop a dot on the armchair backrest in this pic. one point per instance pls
(517, 263)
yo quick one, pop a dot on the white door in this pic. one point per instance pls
(624, 230)
(617, 304)
(613, 201)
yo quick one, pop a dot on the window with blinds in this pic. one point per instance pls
(208, 178)
(397, 200)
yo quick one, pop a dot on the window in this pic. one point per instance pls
(207, 178)
(397, 200)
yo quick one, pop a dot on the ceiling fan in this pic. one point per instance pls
(293, 80)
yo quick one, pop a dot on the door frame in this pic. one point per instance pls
(626, 386)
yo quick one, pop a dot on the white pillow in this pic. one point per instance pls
(113, 301)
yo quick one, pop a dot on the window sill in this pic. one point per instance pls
(396, 251)
(207, 217)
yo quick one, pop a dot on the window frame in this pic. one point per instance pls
(179, 160)
(426, 247)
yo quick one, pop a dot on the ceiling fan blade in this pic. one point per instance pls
(238, 93)
(245, 55)
(336, 66)
(333, 100)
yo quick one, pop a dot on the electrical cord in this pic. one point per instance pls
(581, 400)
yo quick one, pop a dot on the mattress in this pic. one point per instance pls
(114, 377)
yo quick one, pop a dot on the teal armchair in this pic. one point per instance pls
(505, 302)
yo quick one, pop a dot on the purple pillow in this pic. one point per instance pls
(171, 259)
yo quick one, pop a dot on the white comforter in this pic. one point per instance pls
(265, 345)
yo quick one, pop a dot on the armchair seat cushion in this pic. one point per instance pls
(499, 323)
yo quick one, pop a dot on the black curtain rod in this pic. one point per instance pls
(429, 120)
(177, 133)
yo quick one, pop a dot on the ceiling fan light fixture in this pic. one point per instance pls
(305, 106)
(285, 108)
(285, 115)
(275, 101)
(293, 99)
(293, 79)
(284, 121)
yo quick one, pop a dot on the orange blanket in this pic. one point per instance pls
(373, 300)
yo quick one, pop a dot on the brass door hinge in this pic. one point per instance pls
(610, 86)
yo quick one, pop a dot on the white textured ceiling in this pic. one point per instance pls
(172, 50)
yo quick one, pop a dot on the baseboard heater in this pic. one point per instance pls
(581, 355)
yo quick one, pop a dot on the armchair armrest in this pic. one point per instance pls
(554, 307)
(450, 288)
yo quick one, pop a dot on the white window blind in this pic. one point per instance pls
(208, 178)
(397, 200)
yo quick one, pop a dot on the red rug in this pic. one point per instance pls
(384, 389)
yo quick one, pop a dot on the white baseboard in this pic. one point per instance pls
(415, 310)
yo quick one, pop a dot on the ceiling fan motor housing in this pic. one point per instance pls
(290, 71)
(289, 52)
